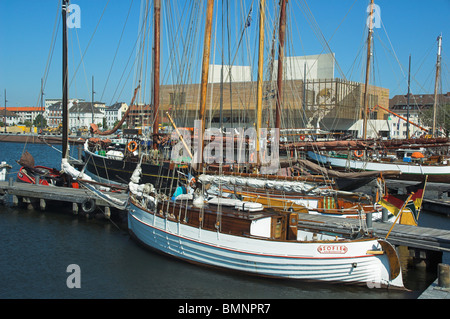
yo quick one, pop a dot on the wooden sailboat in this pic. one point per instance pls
(251, 239)
(36, 174)
(411, 168)
(328, 202)
(109, 161)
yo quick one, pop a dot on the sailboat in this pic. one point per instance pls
(250, 238)
(114, 160)
(29, 172)
(68, 176)
(408, 159)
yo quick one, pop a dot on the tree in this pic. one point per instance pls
(442, 118)
(40, 121)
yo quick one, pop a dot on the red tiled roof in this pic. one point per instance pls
(25, 109)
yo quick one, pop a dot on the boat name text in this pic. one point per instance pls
(332, 249)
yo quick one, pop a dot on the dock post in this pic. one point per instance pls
(37, 180)
(369, 220)
(384, 214)
(15, 201)
(80, 152)
(444, 276)
(107, 212)
(75, 208)
(11, 181)
(42, 204)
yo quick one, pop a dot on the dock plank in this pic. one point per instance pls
(435, 292)
(405, 235)
(65, 194)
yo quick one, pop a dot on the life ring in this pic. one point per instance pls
(357, 154)
(302, 137)
(88, 206)
(132, 146)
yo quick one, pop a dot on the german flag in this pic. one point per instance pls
(419, 191)
(411, 208)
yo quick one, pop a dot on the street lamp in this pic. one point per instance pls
(5, 111)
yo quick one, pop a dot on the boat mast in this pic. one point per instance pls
(260, 77)
(281, 35)
(92, 101)
(205, 71)
(407, 106)
(65, 80)
(436, 83)
(4, 123)
(41, 125)
(366, 86)
(156, 66)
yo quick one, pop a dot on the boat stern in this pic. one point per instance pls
(391, 274)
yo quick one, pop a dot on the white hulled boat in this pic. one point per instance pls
(264, 242)
(241, 236)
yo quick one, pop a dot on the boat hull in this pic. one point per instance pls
(350, 263)
(409, 172)
(120, 171)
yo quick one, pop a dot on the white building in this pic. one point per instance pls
(115, 113)
(50, 102)
(82, 114)
(11, 118)
(319, 66)
(237, 73)
(27, 113)
(418, 104)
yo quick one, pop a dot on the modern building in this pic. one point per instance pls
(320, 66)
(229, 73)
(332, 104)
(322, 100)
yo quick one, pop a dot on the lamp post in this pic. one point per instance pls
(5, 111)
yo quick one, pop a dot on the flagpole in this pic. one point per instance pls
(399, 214)
(423, 194)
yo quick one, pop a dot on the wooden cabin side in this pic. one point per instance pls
(277, 224)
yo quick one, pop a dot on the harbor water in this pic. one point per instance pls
(37, 249)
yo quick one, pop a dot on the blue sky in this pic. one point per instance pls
(26, 28)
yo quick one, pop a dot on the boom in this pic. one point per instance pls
(404, 119)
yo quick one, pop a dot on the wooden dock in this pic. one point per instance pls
(38, 139)
(435, 292)
(402, 235)
(440, 206)
(39, 194)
